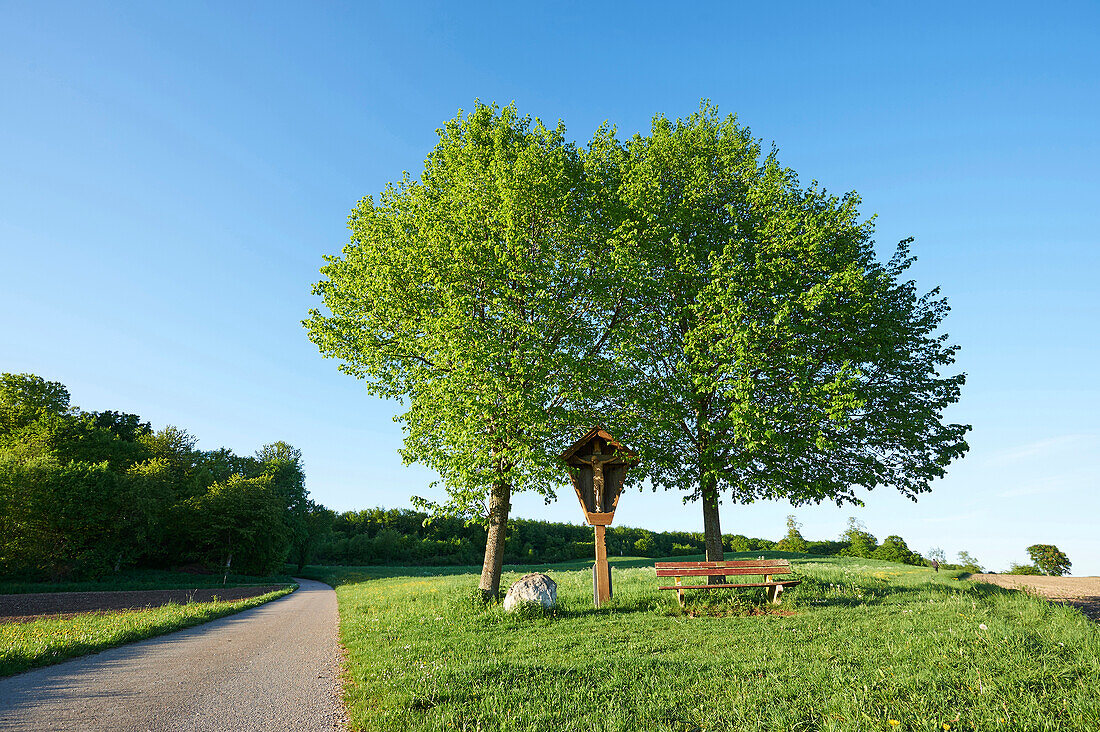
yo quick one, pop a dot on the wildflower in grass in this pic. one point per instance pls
(893, 722)
(982, 626)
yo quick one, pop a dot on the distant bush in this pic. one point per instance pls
(894, 549)
(793, 541)
(1023, 569)
(968, 563)
(860, 542)
(825, 548)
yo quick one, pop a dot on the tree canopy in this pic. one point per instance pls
(87, 493)
(682, 288)
(1049, 559)
(773, 355)
(479, 295)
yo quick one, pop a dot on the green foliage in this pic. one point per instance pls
(969, 563)
(1028, 569)
(1049, 559)
(402, 537)
(75, 518)
(478, 296)
(283, 464)
(894, 549)
(860, 543)
(410, 538)
(84, 494)
(646, 546)
(775, 356)
(793, 541)
(176, 448)
(317, 527)
(143, 579)
(25, 398)
(737, 543)
(682, 287)
(240, 524)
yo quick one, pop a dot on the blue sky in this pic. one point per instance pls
(172, 173)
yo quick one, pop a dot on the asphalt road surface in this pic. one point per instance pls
(273, 667)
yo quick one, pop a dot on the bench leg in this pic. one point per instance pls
(773, 594)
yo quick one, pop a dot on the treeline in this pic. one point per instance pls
(404, 537)
(84, 493)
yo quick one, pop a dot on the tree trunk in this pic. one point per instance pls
(499, 506)
(712, 527)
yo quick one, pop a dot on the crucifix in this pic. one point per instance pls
(597, 460)
(598, 464)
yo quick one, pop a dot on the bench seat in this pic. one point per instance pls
(785, 583)
(766, 568)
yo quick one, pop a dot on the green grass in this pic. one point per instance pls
(50, 640)
(142, 579)
(858, 644)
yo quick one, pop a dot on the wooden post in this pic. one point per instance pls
(773, 591)
(602, 569)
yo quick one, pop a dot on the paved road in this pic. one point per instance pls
(274, 667)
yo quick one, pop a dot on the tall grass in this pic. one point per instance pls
(51, 640)
(858, 645)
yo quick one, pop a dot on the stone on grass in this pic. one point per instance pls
(537, 589)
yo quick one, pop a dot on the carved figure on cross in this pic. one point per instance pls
(597, 460)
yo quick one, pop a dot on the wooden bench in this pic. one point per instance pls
(733, 569)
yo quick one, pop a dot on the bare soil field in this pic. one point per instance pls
(25, 607)
(1081, 592)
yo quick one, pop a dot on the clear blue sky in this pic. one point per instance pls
(172, 173)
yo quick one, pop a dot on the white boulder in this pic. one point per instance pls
(532, 588)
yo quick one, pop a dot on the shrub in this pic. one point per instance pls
(793, 541)
(894, 549)
(860, 542)
(1023, 569)
(738, 543)
(969, 563)
(646, 546)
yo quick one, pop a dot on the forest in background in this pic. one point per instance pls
(404, 537)
(86, 493)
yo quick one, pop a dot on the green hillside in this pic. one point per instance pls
(860, 644)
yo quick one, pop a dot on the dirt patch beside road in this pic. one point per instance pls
(21, 608)
(1081, 592)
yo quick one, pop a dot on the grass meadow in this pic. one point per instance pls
(859, 645)
(49, 640)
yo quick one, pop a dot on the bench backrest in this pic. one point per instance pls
(722, 569)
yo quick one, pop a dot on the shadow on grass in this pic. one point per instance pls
(814, 592)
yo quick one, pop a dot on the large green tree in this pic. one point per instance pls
(239, 524)
(1049, 559)
(774, 356)
(481, 295)
(24, 398)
